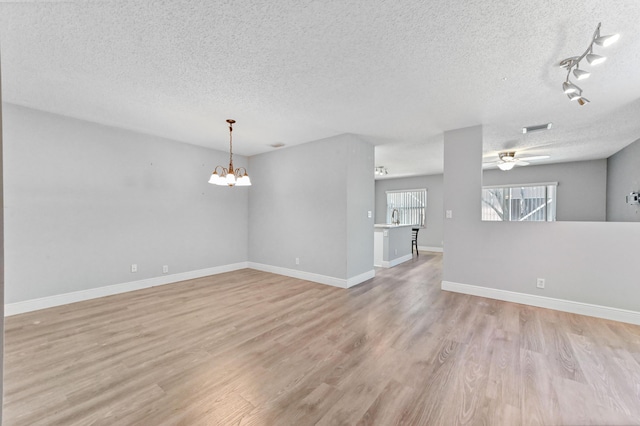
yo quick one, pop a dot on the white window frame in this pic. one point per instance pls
(545, 212)
(409, 207)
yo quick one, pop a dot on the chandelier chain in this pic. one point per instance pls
(230, 145)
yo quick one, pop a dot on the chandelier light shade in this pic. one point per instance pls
(230, 176)
(573, 64)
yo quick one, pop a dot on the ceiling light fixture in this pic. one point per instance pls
(573, 64)
(230, 176)
(507, 160)
(381, 171)
(506, 166)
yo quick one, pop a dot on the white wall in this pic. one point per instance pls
(432, 235)
(582, 186)
(586, 262)
(310, 202)
(623, 177)
(84, 201)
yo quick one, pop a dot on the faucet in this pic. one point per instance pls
(395, 217)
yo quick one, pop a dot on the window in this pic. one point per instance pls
(519, 203)
(410, 205)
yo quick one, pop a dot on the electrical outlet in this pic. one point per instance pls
(297, 260)
(540, 283)
(165, 269)
(134, 267)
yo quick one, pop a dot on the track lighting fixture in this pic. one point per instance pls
(573, 64)
(381, 171)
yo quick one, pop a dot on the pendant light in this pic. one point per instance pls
(230, 176)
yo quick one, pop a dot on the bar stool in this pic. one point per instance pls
(414, 240)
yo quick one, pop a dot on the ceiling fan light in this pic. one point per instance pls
(508, 165)
(581, 74)
(594, 59)
(607, 40)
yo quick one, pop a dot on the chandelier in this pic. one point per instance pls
(230, 176)
(573, 64)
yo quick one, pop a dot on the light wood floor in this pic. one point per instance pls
(254, 348)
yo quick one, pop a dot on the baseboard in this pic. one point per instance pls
(302, 275)
(93, 293)
(598, 311)
(394, 262)
(353, 281)
(427, 248)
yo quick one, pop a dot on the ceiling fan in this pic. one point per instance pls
(508, 160)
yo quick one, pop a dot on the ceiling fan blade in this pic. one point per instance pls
(535, 158)
(521, 163)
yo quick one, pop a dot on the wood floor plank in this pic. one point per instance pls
(254, 348)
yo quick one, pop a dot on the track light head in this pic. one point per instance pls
(581, 74)
(569, 87)
(607, 40)
(594, 59)
(583, 101)
(574, 96)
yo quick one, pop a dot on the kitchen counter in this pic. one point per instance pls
(392, 225)
(391, 244)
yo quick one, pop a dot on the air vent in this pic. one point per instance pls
(537, 128)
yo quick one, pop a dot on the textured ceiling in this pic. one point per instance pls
(396, 73)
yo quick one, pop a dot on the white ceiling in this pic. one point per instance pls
(398, 73)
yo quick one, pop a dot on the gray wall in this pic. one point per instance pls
(84, 201)
(432, 235)
(301, 206)
(623, 177)
(1, 258)
(582, 186)
(360, 201)
(587, 262)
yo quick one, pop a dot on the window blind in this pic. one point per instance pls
(410, 204)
